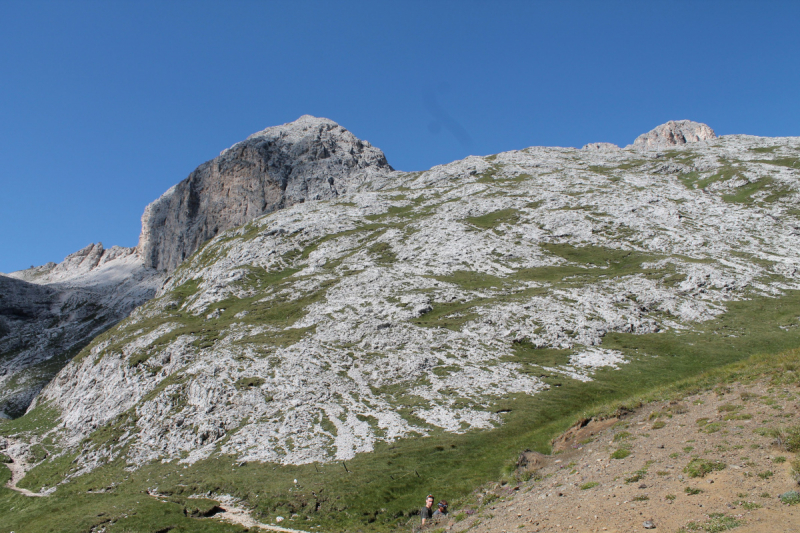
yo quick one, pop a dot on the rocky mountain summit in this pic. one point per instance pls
(49, 313)
(416, 302)
(674, 133)
(308, 159)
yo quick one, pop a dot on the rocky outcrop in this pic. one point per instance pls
(673, 133)
(48, 313)
(603, 147)
(308, 159)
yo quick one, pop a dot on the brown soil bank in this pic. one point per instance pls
(704, 460)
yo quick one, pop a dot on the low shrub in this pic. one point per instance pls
(620, 453)
(790, 498)
(701, 467)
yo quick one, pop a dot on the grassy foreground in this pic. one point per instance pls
(381, 490)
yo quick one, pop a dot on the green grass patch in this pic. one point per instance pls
(620, 453)
(495, 219)
(450, 315)
(589, 264)
(701, 467)
(789, 162)
(765, 149)
(589, 485)
(530, 355)
(745, 193)
(38, 420)
(249, 383)
(471, 280)
(716, 523)
(791, 497)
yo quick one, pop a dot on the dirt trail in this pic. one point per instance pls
(18, 467)
(585, 489)
(240, 516)
(231, 512)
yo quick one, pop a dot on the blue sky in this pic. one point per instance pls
(105, 105)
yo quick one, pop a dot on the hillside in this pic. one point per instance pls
(66, 305)
(419, 331)
(49, 313)
(711, 455)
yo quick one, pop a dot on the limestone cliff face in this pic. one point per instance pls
(308, 159)
(673, 133)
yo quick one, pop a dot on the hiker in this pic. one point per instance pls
(441, 512)
(427, 512)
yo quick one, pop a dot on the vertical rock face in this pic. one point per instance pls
(308, 159)
(673, 133)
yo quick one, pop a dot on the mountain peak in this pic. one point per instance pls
(673, 133)
(309, 159)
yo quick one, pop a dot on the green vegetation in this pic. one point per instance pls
(589, 485)
(745, 193)
(701, 467)
(791, 497)
(789, 162)
(692, 491)
(249, 383)
(383, 252)
(622, 435)
(589, 264)
(765, 149)
(620, 453)
(471, 280)
(716, 522)
(495, 219)
(533, 357)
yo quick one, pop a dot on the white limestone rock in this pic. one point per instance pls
(674, 133)
(308, 159)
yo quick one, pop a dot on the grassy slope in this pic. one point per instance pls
(382, 488)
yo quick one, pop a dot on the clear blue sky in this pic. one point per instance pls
(105, 105)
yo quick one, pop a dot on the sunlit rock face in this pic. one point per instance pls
(674, 133)
(308, 159)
